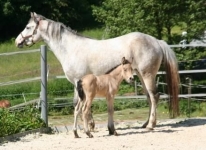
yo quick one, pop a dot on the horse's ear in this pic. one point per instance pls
(32, 15)
(123, 60)
(36, 17)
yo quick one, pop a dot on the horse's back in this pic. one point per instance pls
(146, 52)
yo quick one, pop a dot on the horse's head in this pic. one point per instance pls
(127, 71)
(31, 34)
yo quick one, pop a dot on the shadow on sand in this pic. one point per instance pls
(172, 124)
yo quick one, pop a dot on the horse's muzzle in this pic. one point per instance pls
(20, 45)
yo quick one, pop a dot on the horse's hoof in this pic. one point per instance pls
(149, 129)
(115, 133)
(75, 134)
(89, 134)
(76, 137)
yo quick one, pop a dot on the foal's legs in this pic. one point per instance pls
(90, 116)
(85, 114)
(110, 109)
(91, 122)
(77, 111)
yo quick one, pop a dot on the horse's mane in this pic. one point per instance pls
(57, 28)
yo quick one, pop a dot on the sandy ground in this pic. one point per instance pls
(181, 134)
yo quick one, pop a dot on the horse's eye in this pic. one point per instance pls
(27, 28)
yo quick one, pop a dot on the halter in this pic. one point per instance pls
(28, 36)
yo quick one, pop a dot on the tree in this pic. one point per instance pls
(14, 14)
(193, 18)
(154, 17)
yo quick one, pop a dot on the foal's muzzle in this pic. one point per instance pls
(131, 79)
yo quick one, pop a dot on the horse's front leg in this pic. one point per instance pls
(76, 97)
(110, 109)
(77, 111)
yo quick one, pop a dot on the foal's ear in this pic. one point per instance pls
(123, 60)
(132, 59)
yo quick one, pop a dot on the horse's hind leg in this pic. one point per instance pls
(110, 109)
(148, 83)
(153, 97)
(145, 125)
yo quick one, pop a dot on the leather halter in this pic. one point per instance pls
(28, 36)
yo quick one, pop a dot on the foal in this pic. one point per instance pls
(104, 85)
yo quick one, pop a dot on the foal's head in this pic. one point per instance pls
(127, 71)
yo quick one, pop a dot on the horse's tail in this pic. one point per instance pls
(80, 90)
(172, 78)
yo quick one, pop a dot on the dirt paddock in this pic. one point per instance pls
(178, 134)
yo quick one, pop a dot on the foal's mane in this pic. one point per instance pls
(112, 69)
(125, 62)
(58, 28)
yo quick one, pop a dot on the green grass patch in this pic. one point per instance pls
(19, 121)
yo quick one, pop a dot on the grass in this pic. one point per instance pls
(119, 116)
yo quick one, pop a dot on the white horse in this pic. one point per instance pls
(80, 55)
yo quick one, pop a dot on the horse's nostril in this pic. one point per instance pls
(20, 45)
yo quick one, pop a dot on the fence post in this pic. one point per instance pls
(43, 95)
(189, 92)
(135, 87)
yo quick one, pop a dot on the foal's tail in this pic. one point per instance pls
(80, 90)
(172, 78)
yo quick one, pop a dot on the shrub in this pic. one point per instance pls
(19, 121)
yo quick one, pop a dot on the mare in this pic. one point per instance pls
(81, 55)
(104, 85)
(5, 104)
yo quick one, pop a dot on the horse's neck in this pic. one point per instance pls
(60, 48)
(117, 74)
